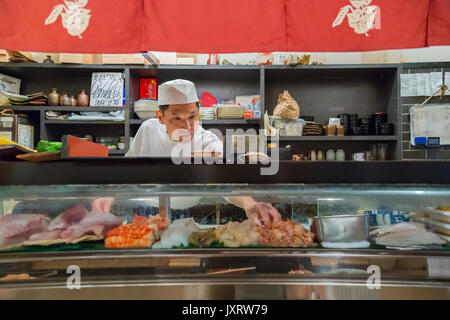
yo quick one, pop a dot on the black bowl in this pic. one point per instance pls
(356, 131)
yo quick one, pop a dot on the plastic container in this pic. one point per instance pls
(439, 215)
(294, 128)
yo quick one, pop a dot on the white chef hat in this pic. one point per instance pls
(177, 91)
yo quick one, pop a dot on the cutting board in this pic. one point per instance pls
(40, 156)
(431, 121)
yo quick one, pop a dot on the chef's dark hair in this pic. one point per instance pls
(164, 107)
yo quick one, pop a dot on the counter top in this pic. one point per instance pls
(163, 171)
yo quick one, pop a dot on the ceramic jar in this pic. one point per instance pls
(73, 100)
(48, 60)
(65, 100)
(331, 155)
(340, 155)
(331, 130)
(320, 156)
(53, 98)
(83, 99)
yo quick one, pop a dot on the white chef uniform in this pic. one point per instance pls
(152, 139)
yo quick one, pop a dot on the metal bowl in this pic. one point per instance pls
(343, 228)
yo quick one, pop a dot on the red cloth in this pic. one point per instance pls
(115, 26)
(214, 26)
(439, 23)
(217, 26)
(403, 24)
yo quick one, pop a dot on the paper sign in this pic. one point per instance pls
(447, 83)
(107, 89)
(405, 80)
(436, 81)
(428, 91)
(421, 84)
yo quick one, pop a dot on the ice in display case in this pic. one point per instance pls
(262, 267)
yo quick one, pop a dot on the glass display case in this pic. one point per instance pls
(48, 267)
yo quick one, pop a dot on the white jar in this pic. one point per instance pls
(340, 155)
(331, 155)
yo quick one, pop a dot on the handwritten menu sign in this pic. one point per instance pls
(107, 89)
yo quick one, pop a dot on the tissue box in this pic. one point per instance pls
(230, 112)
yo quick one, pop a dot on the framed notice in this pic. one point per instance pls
(107, 89)
(430, 121)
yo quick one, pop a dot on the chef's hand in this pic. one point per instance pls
(262, 212)
(102, 205)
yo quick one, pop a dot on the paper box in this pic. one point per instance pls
(134, 58)
(17, 128)
(184, 56)
(148, 88)
(108, 58)
(9, 84)
(3, 56)
(76, 58)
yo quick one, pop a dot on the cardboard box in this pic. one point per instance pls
(148, 88)
(76, 58)
(185, 61)
(184, 56)
(108, 58)
(9, 84)
(134, 58)
(3, 56)
(17, 128)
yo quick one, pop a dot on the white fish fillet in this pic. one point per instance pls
(404, 235)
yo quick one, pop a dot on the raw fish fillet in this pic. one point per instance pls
(68, 218)
(97, 223)
(46, 235)
(405, 234)
(15, 228)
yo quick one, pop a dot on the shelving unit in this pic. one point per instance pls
(322, 91)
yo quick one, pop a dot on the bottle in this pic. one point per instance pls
(121, 144)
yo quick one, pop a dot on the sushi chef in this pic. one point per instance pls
(178, 123)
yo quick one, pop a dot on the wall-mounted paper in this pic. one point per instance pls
(421, 84)
(107, 89)
(405, 82)
(414, 82)
(428, 91)
(430, 121)
(436, 81)
(447, 83)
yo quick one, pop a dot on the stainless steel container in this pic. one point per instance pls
(343, 228)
